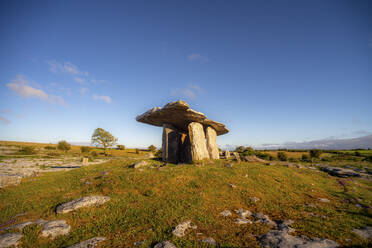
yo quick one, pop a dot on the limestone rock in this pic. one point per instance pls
(225, 213)
(340, 172)
(180, 229)
(55, 228)
(85, 161)
(140, 164)
(227, 154)
(254, 199)
(197, 141)
(9, 239)
(90, 243)
(171, 141)
(236, 156)
(365, 232)
(242, 221)
(253, 159)
(229, 165)
(165, 244)
(180, 116)
(81, 202)
(211, 137)
(264, 219)
(209, 240)
(243, 213)
(324, 200)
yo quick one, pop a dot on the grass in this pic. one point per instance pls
(146, 205)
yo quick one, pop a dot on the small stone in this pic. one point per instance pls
(209, 240)
(9, 239)
(228, 165)
(232, 185)
(81, 202)
(242, 221)
(180, 229)
(243, 213)
(90, 243)
(225, 213)
(140, 164)
(165, 244)
(55, 228)
(20, 226)
(324, 200)
(138, 243)
(365, 232)
(254, 199)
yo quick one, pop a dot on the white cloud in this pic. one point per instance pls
(65, 67)
(83, 91)
(4, 120)
(106, 99)
(197, 57)
(191, 92)
(21, 87)
(79, 80)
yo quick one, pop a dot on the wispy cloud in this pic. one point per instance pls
(83, 91)
(4, 120)
(79, 80)
(106, 99)
(98, 81)
(191, 92)
(22, 88)
(65, 67)
(197, 57)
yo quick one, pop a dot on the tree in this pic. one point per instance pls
(282, 156)
(103, 138)
(85, 149)
(63, 145)
(315, 153)
(152, 148)
(120, 147)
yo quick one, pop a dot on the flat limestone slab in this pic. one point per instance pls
(180, 115)
(81, 202)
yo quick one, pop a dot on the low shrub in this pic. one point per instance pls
(305, 158)
(63, 146)
(282, 156)
(94, 154)
(28, 150)
(50, 148)
(120, 147)
(85, 149)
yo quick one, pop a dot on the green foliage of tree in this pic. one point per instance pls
(152, 148)
(315, 153)
(85, 149)
(120, 147)
(282, 156)
(103, 138)
(63, 145)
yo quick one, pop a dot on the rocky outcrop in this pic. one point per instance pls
(90, 243)
(81, 202)
(165, 244)
(211, 137)
(197, 141)
(9, 239)
(180, 229)
(54, 228)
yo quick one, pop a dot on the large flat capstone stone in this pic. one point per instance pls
(180, 115)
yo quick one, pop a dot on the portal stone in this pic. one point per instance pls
(211, 137)
(227, 154)
(171, 141)
(197, 141)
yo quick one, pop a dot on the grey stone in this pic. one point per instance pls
(236, 156)
(209, 240)
(211, 138)
(81, 202)
(325, 200)
(90, 243)
(243, 213)
(225, 213)
(242, 221)
(197, 141)
(180, 229)
(254, 199)
(228, 165)
(140, 164)
(55, 228)
(9, 239)
(171, 141)
(165, 244)
(232, 185)
(365, 232)
(340, 172)
(264, 219)
(253, 159)
(227, 154)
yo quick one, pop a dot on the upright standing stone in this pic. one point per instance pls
(227, 154)
(171, 141)
(197, 141)
(212, 147)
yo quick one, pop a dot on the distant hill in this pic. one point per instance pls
(363, 142)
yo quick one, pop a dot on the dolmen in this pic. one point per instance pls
(187, 134)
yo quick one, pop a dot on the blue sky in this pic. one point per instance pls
(272, 71)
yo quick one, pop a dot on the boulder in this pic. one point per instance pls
(90, 243)
(197, 141)
(225, 213)
(365, 232)
(55, 228)
(9, 239)
(209, 241)
(81, 202)
(165, 244)
(140, 164)
(211, 138)
(180, 229)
